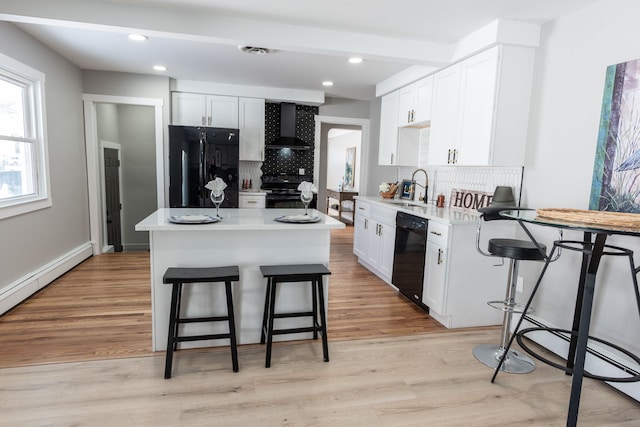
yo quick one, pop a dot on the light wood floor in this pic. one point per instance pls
(78, 353)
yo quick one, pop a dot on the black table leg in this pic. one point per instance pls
(583, 330)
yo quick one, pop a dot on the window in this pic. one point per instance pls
(24, 183)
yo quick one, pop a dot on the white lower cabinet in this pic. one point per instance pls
(458, 281)
(252, 201)
(435, 267)
(374, 238)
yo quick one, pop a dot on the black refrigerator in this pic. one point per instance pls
(198, 155)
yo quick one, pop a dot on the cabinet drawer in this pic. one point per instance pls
(362, 208)
(438, 233)
(383, 214)
(256, 201)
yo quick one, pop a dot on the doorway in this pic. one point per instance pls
(324, 124)
(154, 159)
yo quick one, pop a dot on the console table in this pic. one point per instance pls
(340, 196)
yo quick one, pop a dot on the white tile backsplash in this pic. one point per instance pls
(479, 178)
(250, 170)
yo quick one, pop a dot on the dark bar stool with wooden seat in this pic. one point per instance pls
(179, 276)
(276, 274)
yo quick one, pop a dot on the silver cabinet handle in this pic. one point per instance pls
(391, 158)
(252, 202)
(366, 223)
(204, 123)
(439, 256)
(437, 233)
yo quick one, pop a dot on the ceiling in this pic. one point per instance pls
(311, 41)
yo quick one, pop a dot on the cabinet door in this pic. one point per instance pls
(386, 241)
(388, 129)
(361, 234)
(188, 109)
(435, 285)
(478, 76)
(223, 111)
(444, 117)
(251, 125)
(406, 105)
(423, 98)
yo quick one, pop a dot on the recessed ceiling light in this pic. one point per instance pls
(138, 37)
(327, 83)
(355, 60)
(160, 68)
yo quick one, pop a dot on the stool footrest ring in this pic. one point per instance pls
(511, 308)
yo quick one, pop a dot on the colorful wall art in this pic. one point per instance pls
(616, 173)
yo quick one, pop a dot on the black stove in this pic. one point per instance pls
(282, 191)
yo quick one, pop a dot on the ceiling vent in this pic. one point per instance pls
(255, 50)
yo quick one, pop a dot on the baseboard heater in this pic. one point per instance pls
(16, 292)
(599, 359)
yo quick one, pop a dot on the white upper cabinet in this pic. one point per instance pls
(388, 144)
(223, 111)
(444, 117)
(480, 109)
(251, 121)
(196, 109)
(414, 106)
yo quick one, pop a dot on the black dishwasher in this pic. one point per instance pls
(409, 256)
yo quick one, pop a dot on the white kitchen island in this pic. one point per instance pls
(244, 237)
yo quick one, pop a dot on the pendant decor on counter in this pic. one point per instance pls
(615, 185)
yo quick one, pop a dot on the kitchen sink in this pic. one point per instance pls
(400, 203)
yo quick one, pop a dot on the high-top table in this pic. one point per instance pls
(247, 238)
(593, 247)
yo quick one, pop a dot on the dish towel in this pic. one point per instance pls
(216, 186)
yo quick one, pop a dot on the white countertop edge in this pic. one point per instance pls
(429, 211)
(235, 219)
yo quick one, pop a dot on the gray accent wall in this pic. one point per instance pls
(34, 239)
(133, 127)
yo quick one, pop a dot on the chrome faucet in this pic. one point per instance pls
(425, 186)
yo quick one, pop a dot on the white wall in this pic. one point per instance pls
(337, 154)
(567, 96)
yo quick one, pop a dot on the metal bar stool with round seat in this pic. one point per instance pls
(516, 250)
(177, 277)
(297, 273)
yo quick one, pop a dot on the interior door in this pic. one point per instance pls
(112, 197)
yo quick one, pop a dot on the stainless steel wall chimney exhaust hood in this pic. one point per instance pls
(287, 138)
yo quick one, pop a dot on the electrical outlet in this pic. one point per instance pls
(301, 171)
(520, 284)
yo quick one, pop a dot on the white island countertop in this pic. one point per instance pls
(235, 219)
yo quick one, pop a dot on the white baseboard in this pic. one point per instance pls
(29, 284)
(593, 364)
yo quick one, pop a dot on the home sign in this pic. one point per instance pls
(469, 199)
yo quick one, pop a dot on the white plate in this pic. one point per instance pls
(298, 219)
(193, 219)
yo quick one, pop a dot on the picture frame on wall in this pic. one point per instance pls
(350, 168)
